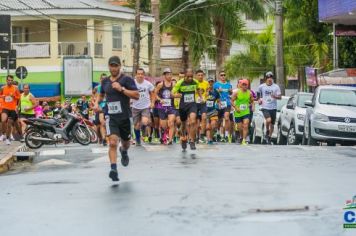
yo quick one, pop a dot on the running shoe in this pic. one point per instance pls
(8, 142)
(146, 140)
(223, 140)
(230, 139)
(210, 142)
(243, 142)
(105, 143)
(124, 158)
(184, 144)
(114, 175)
(2, 138)
(192, 146)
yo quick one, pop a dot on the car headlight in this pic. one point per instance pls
(320, 117)
(300, 116)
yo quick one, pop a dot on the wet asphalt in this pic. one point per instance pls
(216, 190)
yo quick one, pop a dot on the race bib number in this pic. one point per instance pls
(269, 99)
(223, 104)
(243, 107)
(114, 108)
(166, 102)
(209, 103)
(189, 98)
(8, 99)
(142, 95)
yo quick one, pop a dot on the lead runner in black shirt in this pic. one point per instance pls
(118, 89)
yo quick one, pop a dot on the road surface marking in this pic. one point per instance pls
(99, 150)
(54, 162)
(53, 152)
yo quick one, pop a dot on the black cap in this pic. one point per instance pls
(114, 60)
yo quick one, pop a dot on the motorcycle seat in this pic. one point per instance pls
(47, 121)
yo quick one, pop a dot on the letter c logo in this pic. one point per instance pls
(349, 217)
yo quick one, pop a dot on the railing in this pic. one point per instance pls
(73, 49)
(98, 50)
(32, 50)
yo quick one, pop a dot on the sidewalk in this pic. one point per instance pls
(6, 155)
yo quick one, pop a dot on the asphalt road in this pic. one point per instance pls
(215, 190)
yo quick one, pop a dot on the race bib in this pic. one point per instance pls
(209, 103)
(223, 104)
(142, 95)
(8, 99)
(188, 98)
(243, 107)
(114, 107)
(166, 102)
(269, 99)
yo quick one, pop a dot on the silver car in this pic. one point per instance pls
(258, 124)
(331, 116)
(291, 119)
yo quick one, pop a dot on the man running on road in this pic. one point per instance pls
(11, 94)
(269, 93)
(166, 111)
(141, 108)
(118, 89)
(186, 90)
(201, 97)
(241, 100)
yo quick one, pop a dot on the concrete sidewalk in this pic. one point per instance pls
(7, 154)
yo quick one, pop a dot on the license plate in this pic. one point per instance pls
(345, 128)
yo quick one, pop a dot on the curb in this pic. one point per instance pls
(8, 160)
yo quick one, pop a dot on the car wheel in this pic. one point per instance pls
(292, 137)
(255, 138)
(311, 140)
(281, 140)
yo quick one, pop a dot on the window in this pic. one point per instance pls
(132, 31)
(117, 37)
(17, 34)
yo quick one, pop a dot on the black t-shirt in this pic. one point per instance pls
(118, 103)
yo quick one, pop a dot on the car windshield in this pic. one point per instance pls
(302, 98)
(281, 103)
(338, 97)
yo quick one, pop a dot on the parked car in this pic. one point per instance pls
(291, 120)
(331, 116)
(258, 129)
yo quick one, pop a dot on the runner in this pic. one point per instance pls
(11, 94)
(212, 111)
(166, 111)
(186, 90)
(269, 93)
(27, 105)
(241, 100)
(225, 90)
(141, 108)
(118, 89)
(201, 97)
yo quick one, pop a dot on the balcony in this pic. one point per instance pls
(98, 50)
(73, 49)
(32, 50)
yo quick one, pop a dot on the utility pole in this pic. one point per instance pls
(335, 49)
(156, 54)
(279, 46)
(136, 58)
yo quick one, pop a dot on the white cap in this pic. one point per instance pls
(167, 70)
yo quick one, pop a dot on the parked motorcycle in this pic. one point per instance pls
(52, 131)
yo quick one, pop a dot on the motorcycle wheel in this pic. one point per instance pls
(93, 136)
(82, 135)
(33, 144)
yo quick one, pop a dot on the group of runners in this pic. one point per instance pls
(187, 109)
